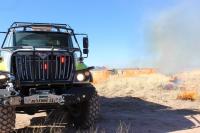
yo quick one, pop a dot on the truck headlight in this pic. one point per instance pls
(2, 77)
(80, 77)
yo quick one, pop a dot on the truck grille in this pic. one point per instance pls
(43, 66)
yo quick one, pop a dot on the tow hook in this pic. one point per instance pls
(62, 102)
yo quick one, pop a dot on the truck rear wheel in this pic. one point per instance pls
(83, 115)
(7, 119)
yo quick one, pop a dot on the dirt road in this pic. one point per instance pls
(134, 114)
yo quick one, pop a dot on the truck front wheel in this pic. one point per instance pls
(83, 115)
(7, 119)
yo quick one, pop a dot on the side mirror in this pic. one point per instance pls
(85, 43)
(85, 51)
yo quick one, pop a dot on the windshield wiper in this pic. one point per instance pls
(22, 47)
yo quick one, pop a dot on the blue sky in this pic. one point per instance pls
(117, 28)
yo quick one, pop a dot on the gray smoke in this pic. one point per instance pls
(175, 38)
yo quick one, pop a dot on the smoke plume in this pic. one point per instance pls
(175, 38)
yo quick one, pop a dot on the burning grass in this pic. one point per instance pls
(188, 95)
(101, 76)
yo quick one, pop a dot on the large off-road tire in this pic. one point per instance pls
(84, 115)
(7, 119)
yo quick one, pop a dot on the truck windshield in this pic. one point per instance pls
(42, 39)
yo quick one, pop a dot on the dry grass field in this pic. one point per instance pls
(146, 102)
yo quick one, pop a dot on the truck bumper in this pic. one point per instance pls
(69, 96)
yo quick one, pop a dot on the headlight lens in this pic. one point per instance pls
(80, 77)
(2, 77)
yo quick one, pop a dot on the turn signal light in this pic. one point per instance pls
(62, 59)
(45, 66)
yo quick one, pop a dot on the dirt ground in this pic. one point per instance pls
(142, 104)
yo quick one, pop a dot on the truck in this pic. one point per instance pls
(42, 69)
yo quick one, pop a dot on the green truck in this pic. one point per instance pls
(42, 69)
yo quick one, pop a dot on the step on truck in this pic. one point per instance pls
(42, 69)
